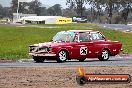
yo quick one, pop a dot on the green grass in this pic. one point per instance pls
(14, 41)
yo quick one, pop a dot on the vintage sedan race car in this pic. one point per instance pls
(75, 44)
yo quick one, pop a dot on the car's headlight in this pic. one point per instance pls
(33, 49)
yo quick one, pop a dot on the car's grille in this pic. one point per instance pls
(40, 49)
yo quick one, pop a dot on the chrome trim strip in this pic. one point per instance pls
(47, 54)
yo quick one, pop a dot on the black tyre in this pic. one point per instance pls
(38, 59)
(82, 59)
(62, 56)
(81, 80)
(104, 55)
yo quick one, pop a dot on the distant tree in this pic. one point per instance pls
(69, 12)
(35, 7)
(7, 12)
(78, 5)
(43, 11)
(14, 5)
(51, 11)
(112, 8)
(1, 11)
(26, 7)
(111, 5)
(55, 10)
(100, 5)
(127, 8)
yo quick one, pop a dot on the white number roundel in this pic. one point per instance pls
(83, 50)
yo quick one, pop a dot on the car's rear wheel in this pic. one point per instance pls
(62, 56)
(82, 59)
(104, 55)
(38, 59)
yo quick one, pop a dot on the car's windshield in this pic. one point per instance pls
(64, 36)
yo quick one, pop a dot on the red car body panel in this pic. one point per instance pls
(93, 48)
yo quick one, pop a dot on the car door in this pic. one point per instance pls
(98, 44)
(82, 46)
(86, 45)
(75, 48)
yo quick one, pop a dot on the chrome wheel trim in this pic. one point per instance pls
(105, 54)
(62, 55)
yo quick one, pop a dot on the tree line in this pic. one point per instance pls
(34, 7)
(119, 9)
(5, 12)
(101, 11)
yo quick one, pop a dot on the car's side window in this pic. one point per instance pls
(84, 37)
(96, 36)
(76, 38)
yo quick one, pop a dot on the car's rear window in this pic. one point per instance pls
(96, 36)
(84, 37)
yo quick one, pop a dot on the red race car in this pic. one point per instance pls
(75, 44)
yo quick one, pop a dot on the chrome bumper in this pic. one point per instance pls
(47, 54)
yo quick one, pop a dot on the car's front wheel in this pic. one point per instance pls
(38, 59)
(62, 56)
(104, 55)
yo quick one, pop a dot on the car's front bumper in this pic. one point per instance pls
(43, 54)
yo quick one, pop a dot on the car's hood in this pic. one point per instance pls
(51, 44)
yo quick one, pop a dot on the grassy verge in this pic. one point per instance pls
(14, 41)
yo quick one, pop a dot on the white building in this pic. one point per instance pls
(20, 15)
(46, 19)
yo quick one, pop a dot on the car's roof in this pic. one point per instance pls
(78, 31)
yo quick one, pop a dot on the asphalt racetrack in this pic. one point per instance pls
(125, 60)
(122, 27)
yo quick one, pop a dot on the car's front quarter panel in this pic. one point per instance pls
(71, 48)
